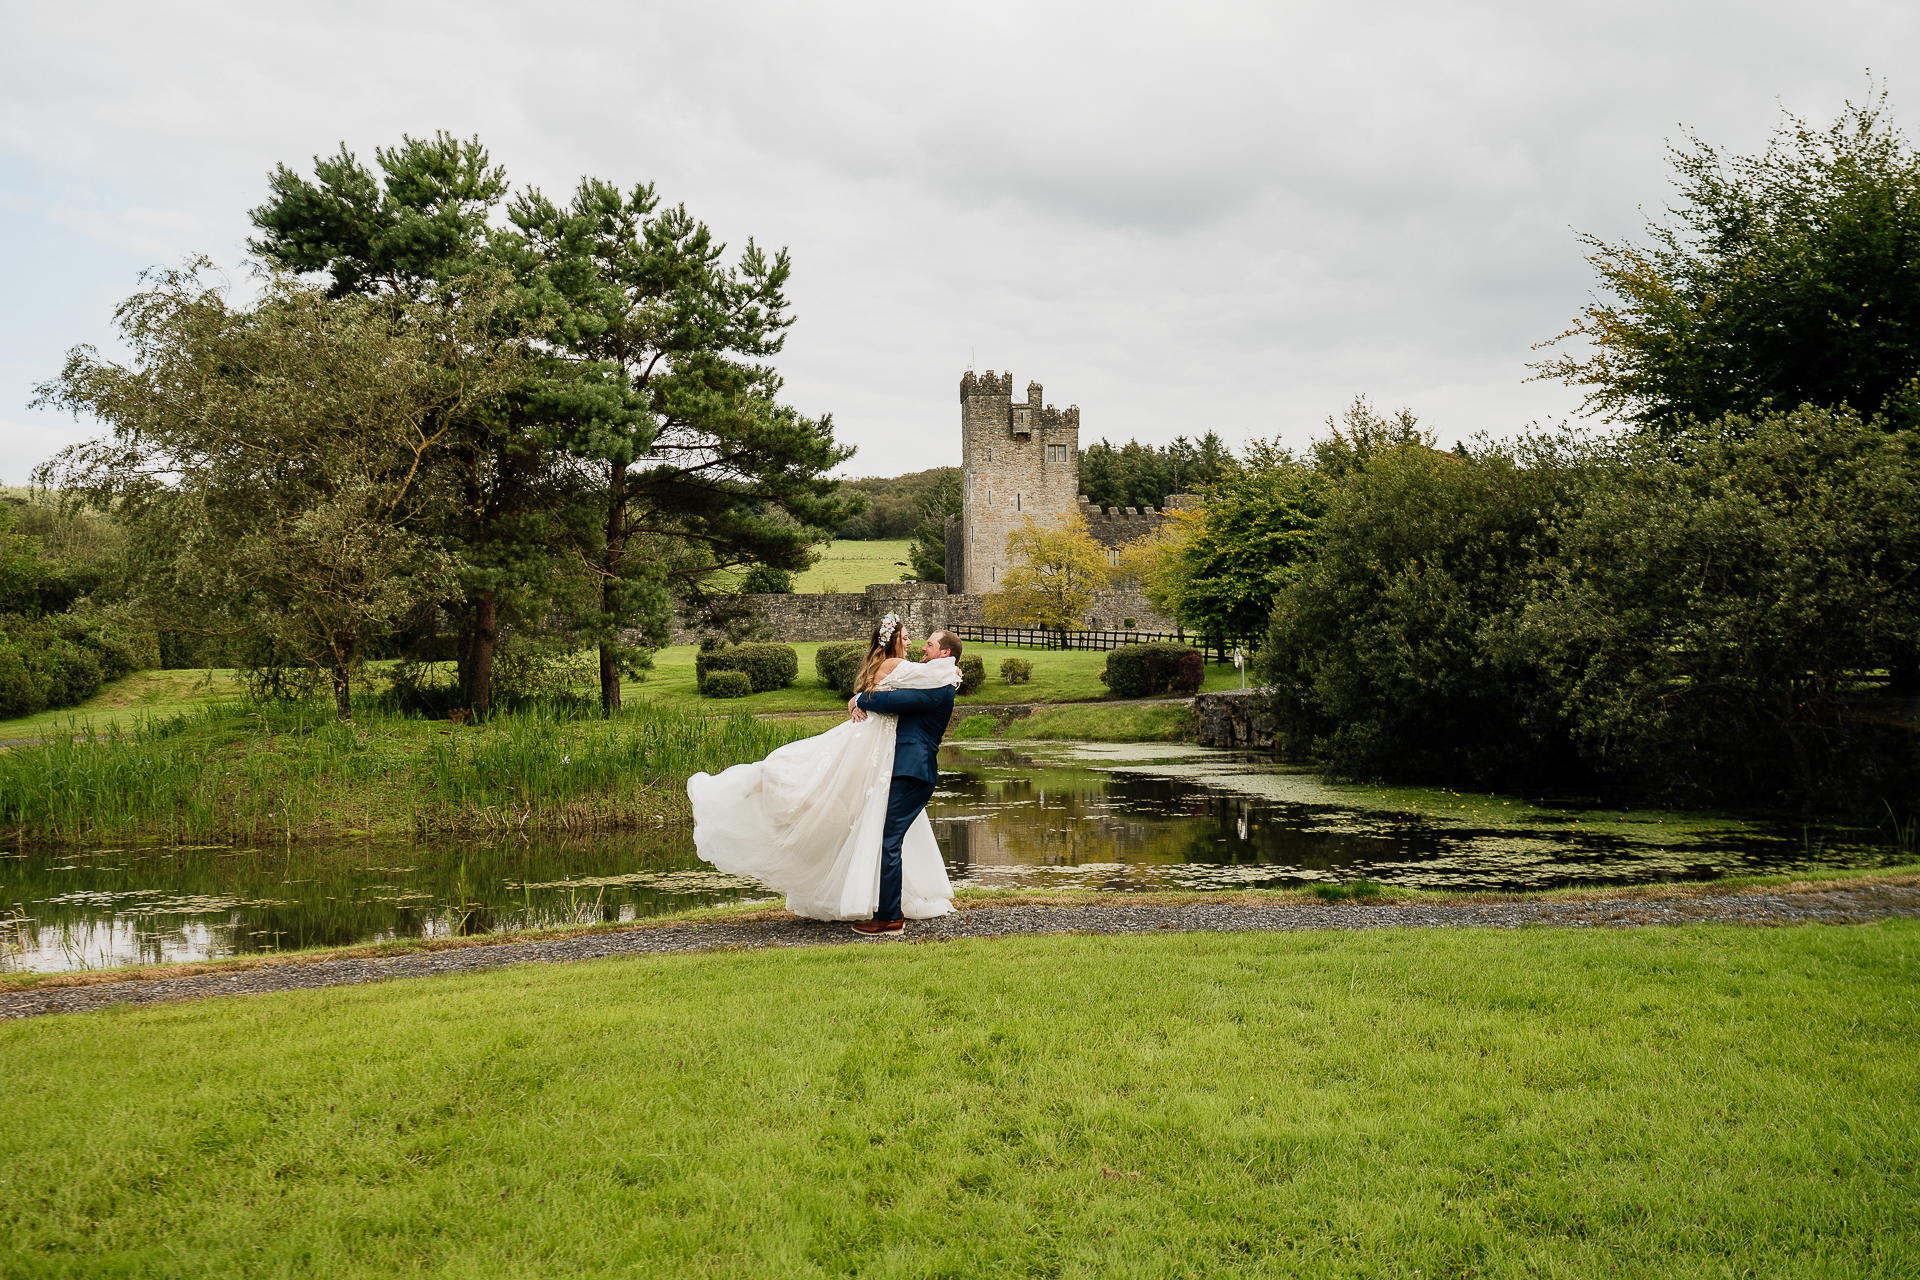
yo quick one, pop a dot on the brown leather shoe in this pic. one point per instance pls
(881, 928)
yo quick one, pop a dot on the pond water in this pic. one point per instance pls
(1037, 815)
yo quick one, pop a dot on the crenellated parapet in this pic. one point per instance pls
(1067, 419)
(985, 384)
(1115, 527)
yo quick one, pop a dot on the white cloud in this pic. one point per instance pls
(1219, 216)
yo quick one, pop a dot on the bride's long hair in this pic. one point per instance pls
(889, 640)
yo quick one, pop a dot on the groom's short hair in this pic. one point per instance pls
(948, 641)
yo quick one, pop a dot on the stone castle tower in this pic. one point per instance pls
(1016, 460)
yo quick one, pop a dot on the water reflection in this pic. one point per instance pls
(1061, 815)
(93, 908)
(1144, 816)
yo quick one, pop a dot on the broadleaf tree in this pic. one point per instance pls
(275, 463)
(1053, 574)
(1787, 278)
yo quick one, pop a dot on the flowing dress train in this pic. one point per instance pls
(807, 820)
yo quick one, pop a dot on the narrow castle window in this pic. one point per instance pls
(989, 497)
(1113, 556)
(993, 574)
(1016, 502)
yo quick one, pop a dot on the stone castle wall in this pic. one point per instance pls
(922, 606)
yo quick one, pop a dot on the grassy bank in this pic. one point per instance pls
(124, 703)
(1706, 1101)
(1172, 722)
(233, 771)
(1363, 893)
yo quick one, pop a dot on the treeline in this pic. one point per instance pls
(458, 420)
(1720, 601)
(1143, 475)
(1129, 475)
(893, 503)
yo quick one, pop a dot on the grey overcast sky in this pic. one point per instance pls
(1181, 218)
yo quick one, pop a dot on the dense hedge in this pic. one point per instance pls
(61, 660)
(766, 666)
(1143, 670)
(838, 664)
(727, 684)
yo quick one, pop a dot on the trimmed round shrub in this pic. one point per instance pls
(838, 664)
(727, 684)
(1016, 670)
(1143, 670)
(973, 674)
(766, 666)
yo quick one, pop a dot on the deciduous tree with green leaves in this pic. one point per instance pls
(275, 463)
(1787, 278)
(1381, 648)
(1714, 598)
(1225, 558)
(1055, 571)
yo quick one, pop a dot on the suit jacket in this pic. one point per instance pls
(923, 719)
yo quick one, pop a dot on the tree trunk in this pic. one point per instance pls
(610, 566)
(486, 633)
(342, 692)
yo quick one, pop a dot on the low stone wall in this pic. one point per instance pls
(922, 606)
(1236, 718)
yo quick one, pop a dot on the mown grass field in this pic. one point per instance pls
(852, 566)
(1069, 676)
(1710, 1101)
(1058, 676)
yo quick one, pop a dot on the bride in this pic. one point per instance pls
(808, 819)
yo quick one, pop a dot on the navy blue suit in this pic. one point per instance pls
(916, 771)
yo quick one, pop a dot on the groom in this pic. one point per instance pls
(916, 748)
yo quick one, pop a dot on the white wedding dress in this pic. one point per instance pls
(807, 820)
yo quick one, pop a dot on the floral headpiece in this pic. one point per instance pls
(889, 625)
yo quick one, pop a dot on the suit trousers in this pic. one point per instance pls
(905, 799)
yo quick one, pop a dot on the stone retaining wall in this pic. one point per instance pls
(1236, 718)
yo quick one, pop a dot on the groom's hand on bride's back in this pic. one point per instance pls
(854, 713)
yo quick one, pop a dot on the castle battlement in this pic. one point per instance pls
(985, 384)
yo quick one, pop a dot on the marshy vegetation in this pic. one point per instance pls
(266, 772)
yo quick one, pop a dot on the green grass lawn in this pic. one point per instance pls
(1070, 676)
(121, 703)
(1058, 676)
(1710, 1101)
(851, 566)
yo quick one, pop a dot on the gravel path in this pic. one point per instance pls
(1829, 906)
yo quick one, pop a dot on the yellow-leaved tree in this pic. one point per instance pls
(1054, 574)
